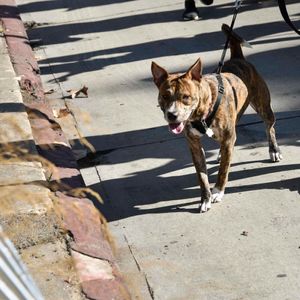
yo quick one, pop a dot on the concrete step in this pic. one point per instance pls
(52, 268)
(27, 215)
(19, 172)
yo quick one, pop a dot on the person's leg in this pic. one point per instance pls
(190, 11)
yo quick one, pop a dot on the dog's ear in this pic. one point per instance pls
(159, 74)
(195, 71)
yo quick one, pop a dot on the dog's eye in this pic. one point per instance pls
(185, 97)
(165, 97)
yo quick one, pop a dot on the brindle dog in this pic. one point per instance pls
(188, 98)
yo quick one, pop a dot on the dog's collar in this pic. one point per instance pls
(203, 125)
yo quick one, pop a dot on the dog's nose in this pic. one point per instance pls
(171, 117)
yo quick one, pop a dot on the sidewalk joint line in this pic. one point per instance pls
(150, 289)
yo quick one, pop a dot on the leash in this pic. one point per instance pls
(203, 126)
(285, 15)
(237, 5)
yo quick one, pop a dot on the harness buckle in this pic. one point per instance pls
(204, 125)
(207, 130)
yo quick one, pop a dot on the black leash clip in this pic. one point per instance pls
(220, 84)
(221, 89)
(237, 4)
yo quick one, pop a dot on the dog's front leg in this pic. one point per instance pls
(225, 160)
(198, 156)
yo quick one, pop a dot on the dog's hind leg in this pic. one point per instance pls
(263, 108)
(268, 117)
(274, 151)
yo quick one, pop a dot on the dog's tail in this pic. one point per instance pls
(236, 42)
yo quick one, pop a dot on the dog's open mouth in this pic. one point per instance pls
(176, 128)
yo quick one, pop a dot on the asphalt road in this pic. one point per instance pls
(248, 246)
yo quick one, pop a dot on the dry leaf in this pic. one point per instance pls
(55, 112)
(245, 233)
(63, 112)
(84, 90)
(76, 93)
(51, 91)
(30, 24)
(59, 113)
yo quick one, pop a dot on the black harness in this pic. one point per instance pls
(203, 125)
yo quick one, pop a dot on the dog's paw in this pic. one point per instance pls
(275, 156)
(217, 195)
(205, 205)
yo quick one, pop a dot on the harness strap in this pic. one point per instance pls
(285, 15)
(203, 125)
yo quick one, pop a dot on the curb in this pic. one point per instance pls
(93, 257)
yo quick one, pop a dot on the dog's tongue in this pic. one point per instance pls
(176, 128)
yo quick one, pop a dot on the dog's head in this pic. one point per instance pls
(178, 94)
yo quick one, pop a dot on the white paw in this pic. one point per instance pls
(275, 156)
(217, 195)
(205, 205)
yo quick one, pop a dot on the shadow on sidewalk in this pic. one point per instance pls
(90, 61)
(68, 5)
(75, 64)
(136, 189)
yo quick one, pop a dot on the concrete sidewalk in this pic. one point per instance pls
(246, 247)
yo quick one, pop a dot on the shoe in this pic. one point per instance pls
(207, 2)
(190, 12)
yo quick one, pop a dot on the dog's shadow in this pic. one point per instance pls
(160, 177)
(147, 192)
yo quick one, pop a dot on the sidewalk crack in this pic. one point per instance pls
(150, 289)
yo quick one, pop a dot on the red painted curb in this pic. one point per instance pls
(80, 216)
(21, 54)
